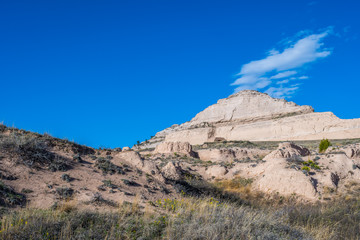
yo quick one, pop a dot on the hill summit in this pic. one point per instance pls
(255, 116)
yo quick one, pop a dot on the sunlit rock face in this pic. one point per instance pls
(255, 116)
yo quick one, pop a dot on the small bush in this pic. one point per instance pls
(107, 167)
(9, 198)
(130, 183)
(25, 190)
(65, 193)
(66, 177)
(324, 144)
(109, 184)
(77, 158)
(305, 168)
(311, 164)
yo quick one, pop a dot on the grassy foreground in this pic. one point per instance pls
(187, 218)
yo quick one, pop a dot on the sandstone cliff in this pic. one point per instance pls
(255, 116)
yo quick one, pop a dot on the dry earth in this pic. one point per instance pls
(102, 178)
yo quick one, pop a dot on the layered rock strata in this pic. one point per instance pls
(254, 116)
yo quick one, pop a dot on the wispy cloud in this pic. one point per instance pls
(283, 74)
(278, 65)
(280, 92)
(312, 3)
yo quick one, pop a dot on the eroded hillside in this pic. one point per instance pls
(247, 189)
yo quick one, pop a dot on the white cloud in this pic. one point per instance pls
(283, 74)
(273, 52)
(260, 74)
(282, 92)
(283, 81)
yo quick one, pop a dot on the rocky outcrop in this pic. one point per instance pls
(275, 178)
(133, 158)
(216, 155)
(353, 151)
(229, 154)
(254, 116)
(288, 150)
(172, 172)
(182, 148)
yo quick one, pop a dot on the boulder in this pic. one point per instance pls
(285, 181)
(131, 157)
(183, 148)
(288, 150)
(126, 149)
(172, 172)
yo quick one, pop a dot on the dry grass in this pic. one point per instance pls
(31, 151)
(186, 218)
(192, 218)
(224, 210)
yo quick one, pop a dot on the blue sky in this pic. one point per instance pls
(109, 73)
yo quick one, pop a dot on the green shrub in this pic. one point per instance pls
(305, 168)
(324, 144)
(311, 164)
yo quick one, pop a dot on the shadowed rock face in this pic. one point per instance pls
(353, 151)
(255, 116)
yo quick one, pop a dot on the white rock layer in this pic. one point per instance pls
(254, 116)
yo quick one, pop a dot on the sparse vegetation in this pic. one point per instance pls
(10, 198)
(107, 167)
(311, 164)
(223, 209)
(130, 183)
(77, 158)
(272, 145)
(187, 218)
(305, 169)
(66, 177)
(32, 152)
(65, 192)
